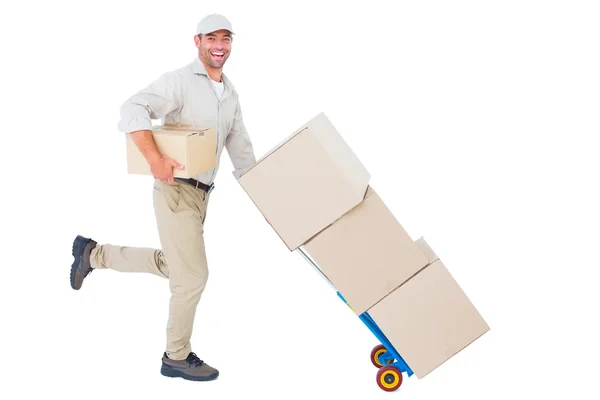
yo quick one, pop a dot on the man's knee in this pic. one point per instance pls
(190, 286)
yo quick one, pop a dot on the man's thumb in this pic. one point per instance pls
(175, 164)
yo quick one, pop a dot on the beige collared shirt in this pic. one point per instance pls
(186, 96)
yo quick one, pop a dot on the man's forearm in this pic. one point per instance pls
(145, 142)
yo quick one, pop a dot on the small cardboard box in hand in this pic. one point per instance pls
(194, 148)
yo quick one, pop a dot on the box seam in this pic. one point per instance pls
(399, 286)
(365, 197)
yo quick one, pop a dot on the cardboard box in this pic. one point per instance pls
(429, 319)
(194, 148)
(366, 254)
(306, 182)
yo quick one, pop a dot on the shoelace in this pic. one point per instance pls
(193, 359)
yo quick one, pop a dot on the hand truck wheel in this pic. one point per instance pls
(376, 352)
(389, 378)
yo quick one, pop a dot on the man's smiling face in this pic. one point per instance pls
(214, 48)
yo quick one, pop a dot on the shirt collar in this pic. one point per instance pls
(199, 68)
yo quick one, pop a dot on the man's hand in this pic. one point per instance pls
(162, 168)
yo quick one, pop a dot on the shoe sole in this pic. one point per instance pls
(76, 250)
(175, 373)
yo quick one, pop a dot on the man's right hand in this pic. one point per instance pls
(162, 168)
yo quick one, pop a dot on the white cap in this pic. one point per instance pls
(213, 22)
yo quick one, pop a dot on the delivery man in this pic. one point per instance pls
(198, 95)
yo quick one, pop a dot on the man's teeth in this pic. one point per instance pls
(217, 54)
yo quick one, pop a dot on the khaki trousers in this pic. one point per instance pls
(180, 213)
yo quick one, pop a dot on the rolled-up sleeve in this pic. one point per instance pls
(153, 102)
(239, 146)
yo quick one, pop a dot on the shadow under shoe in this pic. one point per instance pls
(192, 368)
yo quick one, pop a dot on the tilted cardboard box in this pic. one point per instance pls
(429, 319)
(366, 254)
(306, 182)
(193, 148)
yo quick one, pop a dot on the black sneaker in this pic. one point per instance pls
(192, 368)
(81, 266)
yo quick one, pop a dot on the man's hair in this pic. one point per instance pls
(200, 36)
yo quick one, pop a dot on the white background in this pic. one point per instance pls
(475, 119)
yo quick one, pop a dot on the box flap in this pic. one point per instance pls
(338, 150)
(426, 249)
(182, 130)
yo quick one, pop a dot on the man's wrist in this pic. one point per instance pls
(153, 157)
(145, 142)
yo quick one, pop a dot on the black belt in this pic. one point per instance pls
(197, 184)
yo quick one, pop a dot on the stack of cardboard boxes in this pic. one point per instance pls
(315, 193)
